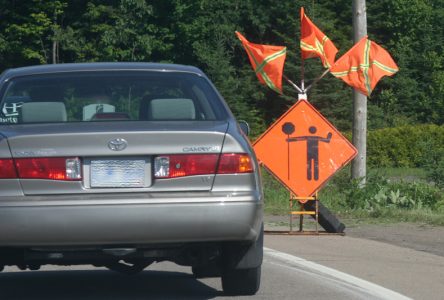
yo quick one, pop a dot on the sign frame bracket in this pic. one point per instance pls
(302, 211)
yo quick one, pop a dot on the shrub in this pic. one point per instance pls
(420, 194)
(406, 146)
(435, 166)
(380, 193)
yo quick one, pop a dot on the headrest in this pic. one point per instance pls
(171, 109)
(38, 112)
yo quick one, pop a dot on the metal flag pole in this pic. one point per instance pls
(303, 92)
(302, 75)
(293, 84)
(316, 80)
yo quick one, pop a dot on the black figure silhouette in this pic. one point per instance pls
(312, 151)
(288, 128)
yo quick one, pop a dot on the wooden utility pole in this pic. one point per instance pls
(359, 100)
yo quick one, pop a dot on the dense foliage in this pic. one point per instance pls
(201, 33)
(380, 193)
(406, 146)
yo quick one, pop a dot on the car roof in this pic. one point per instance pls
(99, 66)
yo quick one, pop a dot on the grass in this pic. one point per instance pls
(406, 174)
(276, 196)
(401, 172)
(388, 216)
(335, 197)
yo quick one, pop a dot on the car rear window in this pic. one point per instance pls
(110, 96)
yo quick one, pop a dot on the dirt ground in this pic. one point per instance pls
(415, 236)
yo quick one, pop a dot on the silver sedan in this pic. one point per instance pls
(124, 164)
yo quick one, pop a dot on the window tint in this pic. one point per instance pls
(110, 96)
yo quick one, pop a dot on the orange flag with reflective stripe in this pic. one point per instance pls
(315, 43)
(267, 61)
(364, 65)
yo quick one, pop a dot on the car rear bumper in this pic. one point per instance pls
(137, 220)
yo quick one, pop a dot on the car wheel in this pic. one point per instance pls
(241, 281)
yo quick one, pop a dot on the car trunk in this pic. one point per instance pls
(113, 157)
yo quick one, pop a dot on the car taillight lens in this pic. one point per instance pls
(171, 166)
(231, 163)
(7, 169)
(55, 168)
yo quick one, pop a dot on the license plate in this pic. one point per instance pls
(118, 173)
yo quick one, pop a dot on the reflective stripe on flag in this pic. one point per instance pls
(314, 43)
(364, 65)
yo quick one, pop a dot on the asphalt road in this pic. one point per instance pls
(296, 268)
(167, 281)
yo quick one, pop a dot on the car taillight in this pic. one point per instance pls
(171, 166)
(7, 169)
(231, 163)
(55, 168)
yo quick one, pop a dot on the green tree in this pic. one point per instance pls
(31, 31)
(124, 30)
(201, 33)
(413, 32)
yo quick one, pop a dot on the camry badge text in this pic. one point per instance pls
(201, 149)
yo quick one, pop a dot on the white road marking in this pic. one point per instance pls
(370, 288)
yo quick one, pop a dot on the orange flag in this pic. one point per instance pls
(315, 43)
(364, 65)
(267, 61)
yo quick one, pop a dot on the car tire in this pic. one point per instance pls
(241, 281)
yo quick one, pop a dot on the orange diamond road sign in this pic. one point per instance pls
(303, 150)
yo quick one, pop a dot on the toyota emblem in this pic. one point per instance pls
(117, 144)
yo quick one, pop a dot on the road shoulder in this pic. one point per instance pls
(410, 272)
(417, 236)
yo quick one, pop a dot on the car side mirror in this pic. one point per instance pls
(244, 127)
